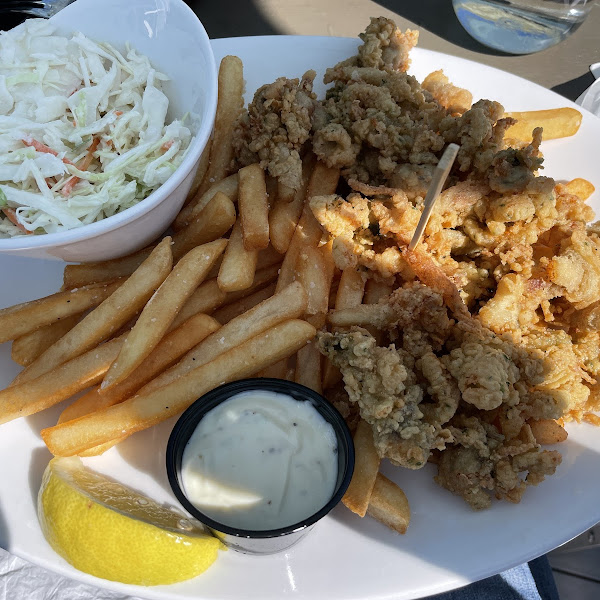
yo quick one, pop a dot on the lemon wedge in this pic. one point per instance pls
(110, 531)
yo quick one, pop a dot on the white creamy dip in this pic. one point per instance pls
(260, 460)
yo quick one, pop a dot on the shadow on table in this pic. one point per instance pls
(242, 18)
(438, 18)
(575, 87)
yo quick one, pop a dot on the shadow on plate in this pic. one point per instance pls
(438, 18)
(439, 516)
(40, 457)
(4, 535)
(241, 18)
(145, 451)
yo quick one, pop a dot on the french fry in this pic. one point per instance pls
(254, 207)
(350, 293)
(323, 181)
(308, 367)
(227, 186)
(375, 291)
(288, 304)
(556, 122)
(106, 319)
(161, 310)
(277, 370)
(266, 258)
(285, 192)
(313, 274)
(76, 276)
(146, 410)
(205, 299)
(213, 222)
(18, 320)
(377, 315)
(169, 350)
(28, 347)
(389, 505)
(200, 173)
(229, 106)
(62, 382)
(547, 431)
(283, 219)
(209, 296)
(580, 187)
(235, 309)
(238, 265)
(366, 468)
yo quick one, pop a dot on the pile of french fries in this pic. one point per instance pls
(234, 292)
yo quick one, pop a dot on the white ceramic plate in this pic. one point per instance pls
(344, 557)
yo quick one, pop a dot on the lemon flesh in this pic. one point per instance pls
(110, 531)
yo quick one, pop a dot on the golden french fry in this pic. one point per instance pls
(228, 186)
(235, 309)
(375, 291)
(266, 258)
(161, 310)
(283, 219)
(24, 318)
(308, 367)
(106, 319)
(238, 265)
(377, 315)
(580, 187)
(62, 382)
(261, 279)
(229, 107)
(312, 273)
(350, 293)
(389, 505)
(323, 181)
(254, 207)
(277, 370)
(170, 349)
(288, 304)
(76, 276)
(213, 222)
(205, 299)
(556, 122)
(200, 173)
(145, 410)
(366, 468)
(284, 192)
(27, 348)
(547, 431)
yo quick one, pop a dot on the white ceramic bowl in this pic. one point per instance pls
(170, 34)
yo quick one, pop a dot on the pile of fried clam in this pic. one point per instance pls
(468, 351)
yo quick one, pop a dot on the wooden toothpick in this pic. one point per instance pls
(439, 178)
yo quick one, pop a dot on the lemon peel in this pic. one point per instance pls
(110, 531)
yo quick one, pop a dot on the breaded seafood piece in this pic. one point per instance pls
(274, 128)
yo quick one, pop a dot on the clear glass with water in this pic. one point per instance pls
(521, 26)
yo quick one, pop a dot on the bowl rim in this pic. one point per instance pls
(194, 414)
(191, 157)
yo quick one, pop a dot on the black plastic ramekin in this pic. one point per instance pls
(273, 540)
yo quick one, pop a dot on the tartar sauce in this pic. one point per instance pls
(260, 460)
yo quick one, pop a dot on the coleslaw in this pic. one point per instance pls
(83, 130)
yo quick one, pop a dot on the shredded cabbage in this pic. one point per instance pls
(83, 131)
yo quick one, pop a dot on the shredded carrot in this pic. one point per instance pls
(166, 145)
(83, 165)
(118, 113)
(11, 213)
(39, 147)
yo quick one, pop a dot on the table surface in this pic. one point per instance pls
(563, 68)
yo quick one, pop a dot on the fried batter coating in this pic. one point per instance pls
(456, 100)
(449, 384)
(275, 126)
